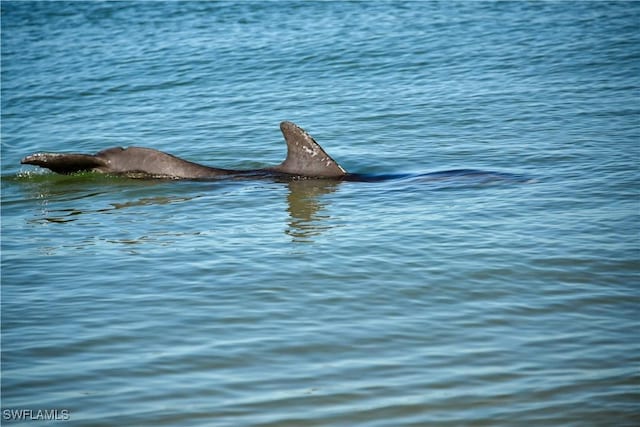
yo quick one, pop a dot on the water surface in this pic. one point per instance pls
(407, 302)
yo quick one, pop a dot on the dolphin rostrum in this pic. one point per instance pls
(305, 158)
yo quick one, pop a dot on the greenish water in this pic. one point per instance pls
(406, 302)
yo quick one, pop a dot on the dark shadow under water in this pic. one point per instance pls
(463, 176)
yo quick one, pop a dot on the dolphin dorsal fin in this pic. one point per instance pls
(305, 157)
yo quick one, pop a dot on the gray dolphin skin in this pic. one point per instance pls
(305, 158)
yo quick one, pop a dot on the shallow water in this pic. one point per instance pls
(405, 302)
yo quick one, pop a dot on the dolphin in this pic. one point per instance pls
(305, 158)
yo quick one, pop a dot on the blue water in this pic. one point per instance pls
(407, 302)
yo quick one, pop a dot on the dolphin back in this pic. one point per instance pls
(305, 158)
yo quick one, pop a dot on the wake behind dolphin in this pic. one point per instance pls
(305, 159)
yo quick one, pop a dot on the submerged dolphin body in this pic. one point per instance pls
(305, 158)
